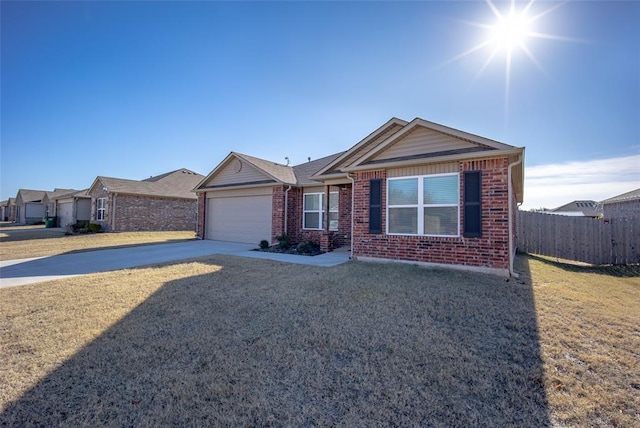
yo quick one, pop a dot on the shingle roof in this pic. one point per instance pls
(56, 193)
(587, 208)
(29, 195)
(174, 184)
(75, 194)
(278, 171)
(305, 171)
(629, 196)
(299, 175)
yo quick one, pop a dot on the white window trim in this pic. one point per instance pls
(102, 210)
(420, 206)
(320, 211)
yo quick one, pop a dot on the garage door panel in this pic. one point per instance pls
(239, 219)
(65, 213)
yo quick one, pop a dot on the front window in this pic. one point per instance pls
(424, 205)
(313, 211)
(101, 204)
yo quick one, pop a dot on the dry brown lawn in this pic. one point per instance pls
(36, 241)
(231, 341)
(589, 327)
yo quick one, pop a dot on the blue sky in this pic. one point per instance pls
(134, 89)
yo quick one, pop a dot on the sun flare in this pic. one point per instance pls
(507, 36)
(510, 31)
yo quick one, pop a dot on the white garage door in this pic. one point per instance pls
(65, 213)
(239, 219)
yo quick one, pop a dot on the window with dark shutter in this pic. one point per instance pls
(472, 204)
(375, 206)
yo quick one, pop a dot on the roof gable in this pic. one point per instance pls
(421, 139)
(28, 195)
(238, 169)
(50, 196)
(346, 158)
(583, 207)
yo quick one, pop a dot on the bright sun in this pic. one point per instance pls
(508, 35)
(511, 31)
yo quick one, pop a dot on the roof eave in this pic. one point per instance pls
(452, 132)
(374, 134)
(233, 187)
(325, 177)
(437, 159)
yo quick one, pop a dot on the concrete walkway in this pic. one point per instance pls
(39, 269)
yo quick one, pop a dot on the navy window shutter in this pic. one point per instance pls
(472, 204)
(375, 206)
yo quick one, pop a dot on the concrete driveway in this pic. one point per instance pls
(29, 271)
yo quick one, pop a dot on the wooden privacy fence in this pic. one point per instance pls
(595, 241)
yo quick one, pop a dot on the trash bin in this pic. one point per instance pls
(49, 222)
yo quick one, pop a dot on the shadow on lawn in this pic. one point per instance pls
(29, 234)
(270, 344)
(83, 261)
(609, 270)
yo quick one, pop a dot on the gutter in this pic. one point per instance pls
(510, 194)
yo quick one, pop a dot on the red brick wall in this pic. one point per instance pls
(202, 216)
(491, 250)
(277, 212)
(143, 213)
(295, 231)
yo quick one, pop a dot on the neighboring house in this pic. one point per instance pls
(164, 202)
(29, 206)
(10, 210)
(410, 191)
(49, 200)
(73, 207)
(579, 209)
(624, 205)
(4, 210)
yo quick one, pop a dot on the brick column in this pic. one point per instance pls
(326, 241)
(202, 215)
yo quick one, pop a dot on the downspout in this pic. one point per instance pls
(74, 211)
(510, 193)
(353, 186)
(113, 213)
(286, 208)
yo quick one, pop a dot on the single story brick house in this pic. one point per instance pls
(73, 207)
(163, 202)
(414, 191)
(5, 210)
(49, 200)
(29, 208)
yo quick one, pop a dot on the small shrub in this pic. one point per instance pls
(284, 241)
(264, 244)
(308, 247)
(94, 227)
